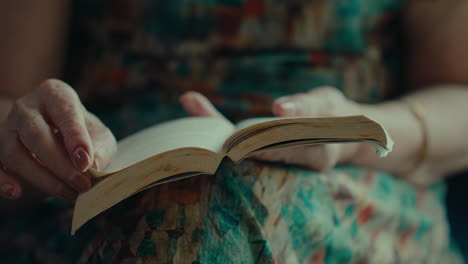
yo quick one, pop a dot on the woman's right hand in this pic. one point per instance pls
(49, 141)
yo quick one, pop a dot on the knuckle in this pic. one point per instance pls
(50, 86)
(66, 105)
(57, 91)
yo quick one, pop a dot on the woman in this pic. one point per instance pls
(130, 61)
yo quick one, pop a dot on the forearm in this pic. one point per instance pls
(447, 126)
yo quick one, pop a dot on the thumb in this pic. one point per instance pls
(198, 105)
(104, 142)
(318, 157)
(320, 102)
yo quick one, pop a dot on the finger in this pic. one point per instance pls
(285, 155)
(9, 187)
(306, 156)
(66, 113)
(104, 141)
(286, 106)
(19, 161)
(37, 136)
(198, 105)
(321, 101)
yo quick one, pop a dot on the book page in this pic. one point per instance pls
(253, 121)
(259, 134)
(202, 132)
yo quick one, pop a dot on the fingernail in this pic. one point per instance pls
(81, 183)
(8, 190)
(81, 159)
(288, 108)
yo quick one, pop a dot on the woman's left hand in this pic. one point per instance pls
(319, 102)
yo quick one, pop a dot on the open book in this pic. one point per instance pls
(197, 145)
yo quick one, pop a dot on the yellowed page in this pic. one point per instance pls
(198, 132)
(152, 171)
(256, 134)
(256, 120)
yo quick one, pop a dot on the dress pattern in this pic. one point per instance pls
(255, 213)
(130, 60)
(141, 55)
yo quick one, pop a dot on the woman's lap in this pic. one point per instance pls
(253, 213)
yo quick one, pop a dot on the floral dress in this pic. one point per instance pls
(130, 60)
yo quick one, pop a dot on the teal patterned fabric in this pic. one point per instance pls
(258, 213)
(130, 60)
(140, 56)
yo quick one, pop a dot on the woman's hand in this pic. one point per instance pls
(49, 141)
(320, 102)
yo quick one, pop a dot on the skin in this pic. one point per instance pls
(64, 137)
(444, 107)
(48, 139)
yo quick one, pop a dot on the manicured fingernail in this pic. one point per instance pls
(8, 190)
(81, 159)
(81, 183)
(288, 108)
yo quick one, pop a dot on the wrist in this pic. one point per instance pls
(405, 131)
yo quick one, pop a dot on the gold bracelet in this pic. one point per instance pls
(418, 111)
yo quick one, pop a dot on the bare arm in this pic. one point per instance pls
(445, 114)
(438, 71)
